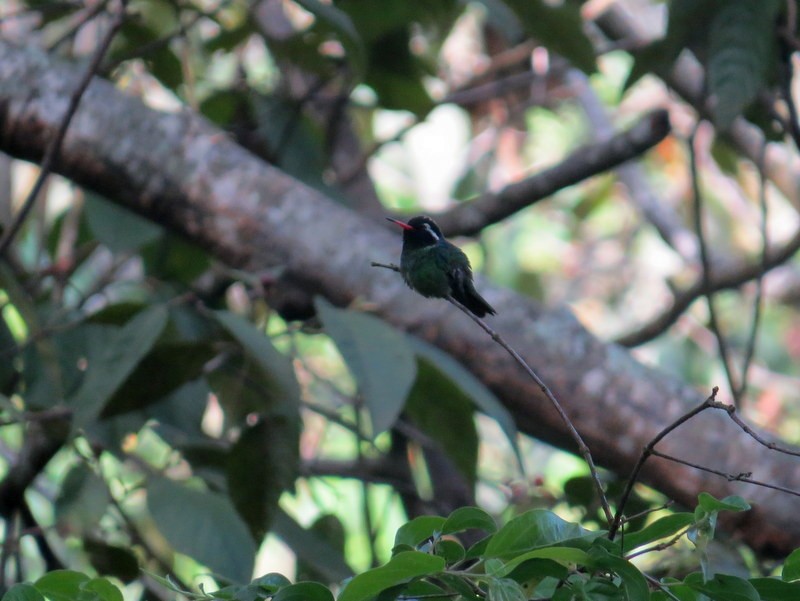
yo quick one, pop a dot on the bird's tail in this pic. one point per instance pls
(474, 301)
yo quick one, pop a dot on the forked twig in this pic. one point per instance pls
(582, 448)
(648, 451)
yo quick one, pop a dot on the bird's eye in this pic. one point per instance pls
(430, 230)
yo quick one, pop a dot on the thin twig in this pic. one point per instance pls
(661, 586)
(660, 546)
(742, 477)
(53, 149)
(649, 450)
(584, 450)
(705, 262)
(648, 511)
(758, 301)
(731, 411)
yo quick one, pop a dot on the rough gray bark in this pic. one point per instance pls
(182, 172)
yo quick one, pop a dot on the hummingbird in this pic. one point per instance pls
(436, 268)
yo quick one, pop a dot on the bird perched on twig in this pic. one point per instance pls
(436, 268)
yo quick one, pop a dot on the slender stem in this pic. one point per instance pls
(582, 448)
(649, 450)
(53, 149)
(705, 262)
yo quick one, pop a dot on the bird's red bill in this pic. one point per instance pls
(402, 224)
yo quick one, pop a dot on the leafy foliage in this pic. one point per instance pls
(556, 560)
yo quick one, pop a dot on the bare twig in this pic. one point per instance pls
(705, 262)
(647, 452)
(742, 477)
(660, 546)
(731, 411)
(750, 349)
(53, 149)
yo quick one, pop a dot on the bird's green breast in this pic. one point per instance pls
(426, 269)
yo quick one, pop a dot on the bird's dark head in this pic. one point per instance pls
(419, 231)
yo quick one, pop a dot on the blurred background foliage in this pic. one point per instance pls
(199, 446)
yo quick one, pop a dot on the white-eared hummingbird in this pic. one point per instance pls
(436, 268)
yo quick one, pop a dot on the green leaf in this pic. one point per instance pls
(738, 71)
(203, 525)
(173, 258)
(311, 548)
(81, 502)
(560, 28)
(100, 589)
(166, 368)
(472, 387)
(261, 465)
(419, 529)
(533, 529)
(564, 555)
(117, 228)
(467, 518)
(791, 567)
(505, 589)
(633, 581)
(459, 585)
(710, 504)
(401, 569)
(434, 400)
(378, 356)
(111, 359)
(452, 551)
(61, 585)
(723, 587)
(23, 592)
(772, 589)
(663, 527)
(339, 22)
(282, 384)
(304, 591)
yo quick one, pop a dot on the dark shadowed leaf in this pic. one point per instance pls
(81, 502)
(117, 228)
(112, 560)
(261, 465)
(282, 386)
(203, 525)
(379, 358)
(163, 370)
(560, 28)
(470, 386)
(434, 400)
(111, 359)
(330, 531)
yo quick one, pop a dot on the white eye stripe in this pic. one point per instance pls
(427, 226)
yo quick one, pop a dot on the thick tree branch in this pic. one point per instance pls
(470, 218)
(184, 173)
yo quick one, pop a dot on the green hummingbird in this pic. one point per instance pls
(436, 268)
